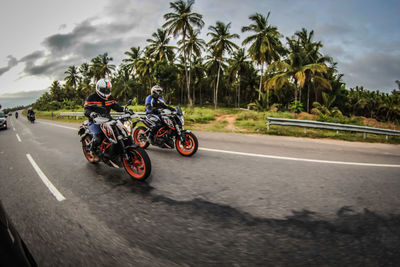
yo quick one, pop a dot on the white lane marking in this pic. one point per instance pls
(62, 126)
(13, 129)
(299, 159)
(19, 139)
(45, 180)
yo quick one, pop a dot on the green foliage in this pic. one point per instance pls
(296, 106)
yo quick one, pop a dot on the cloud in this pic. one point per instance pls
(374, 71)
(10, 100)
(360, 37)
(124, 24)
(12, 62)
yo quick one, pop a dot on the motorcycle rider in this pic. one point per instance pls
(16, 114)
(30, 113)
(154, 103)
(99, 104)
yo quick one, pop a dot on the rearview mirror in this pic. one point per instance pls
(129, 102)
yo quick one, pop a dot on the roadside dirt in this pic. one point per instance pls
(231, 119)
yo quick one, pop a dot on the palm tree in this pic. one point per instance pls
(144, 67)
(238, 66)
(56, 91)
(84, 86)
(121, 87)
(198, 71)
(287, 71)
(265, 45)
(72, 77)
(311, 54)
(219, 44)
(101, 68)
(181, 22)
(194, 46)
(133, 56)
(159, 48)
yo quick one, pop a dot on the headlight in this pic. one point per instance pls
(128, 127)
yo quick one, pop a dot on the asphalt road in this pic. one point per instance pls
(242, 200)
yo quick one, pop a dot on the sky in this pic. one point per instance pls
(41, 38)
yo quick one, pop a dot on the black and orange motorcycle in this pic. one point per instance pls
(170, 134)
(117, 148)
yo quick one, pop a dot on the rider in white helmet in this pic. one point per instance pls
(99, 103)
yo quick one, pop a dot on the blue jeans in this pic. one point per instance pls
(96, 133)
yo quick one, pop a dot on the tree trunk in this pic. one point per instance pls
(308, 98)
(261, 78)
(186, 72)
(239, 93)
(216, 87)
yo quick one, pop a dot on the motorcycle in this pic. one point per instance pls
(16, 115)
(171, 133)
(117, 149)
(31, 118)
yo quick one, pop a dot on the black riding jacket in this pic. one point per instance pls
(94, 103)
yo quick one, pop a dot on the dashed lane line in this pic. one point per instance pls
(19, 139)
(45, 180)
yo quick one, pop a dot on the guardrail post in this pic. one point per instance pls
(305, 130)
(387, 137)
(337, 132)
(365, 135)
(268, 126)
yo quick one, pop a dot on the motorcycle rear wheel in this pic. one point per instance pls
(139, 165)
(139, 138)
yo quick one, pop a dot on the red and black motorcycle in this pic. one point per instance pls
(117, 148)
(171, 133)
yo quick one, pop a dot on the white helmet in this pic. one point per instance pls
(156, 91)
(103, 88)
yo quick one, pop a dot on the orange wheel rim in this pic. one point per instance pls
(136, 138)
(187, 146)
(135, 166)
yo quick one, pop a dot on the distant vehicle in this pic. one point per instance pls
(16, 114)
(3, 120)
(31, 117)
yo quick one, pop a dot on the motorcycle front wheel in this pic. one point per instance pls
(140, 138)
(188, 147)
(138, 166)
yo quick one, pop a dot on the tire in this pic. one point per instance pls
(139, 165)
(136, 137)
(190, 146)
(85, 148)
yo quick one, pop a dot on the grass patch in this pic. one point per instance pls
(198, 115)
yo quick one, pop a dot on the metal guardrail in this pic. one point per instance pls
(331, 126)
(81, 114)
